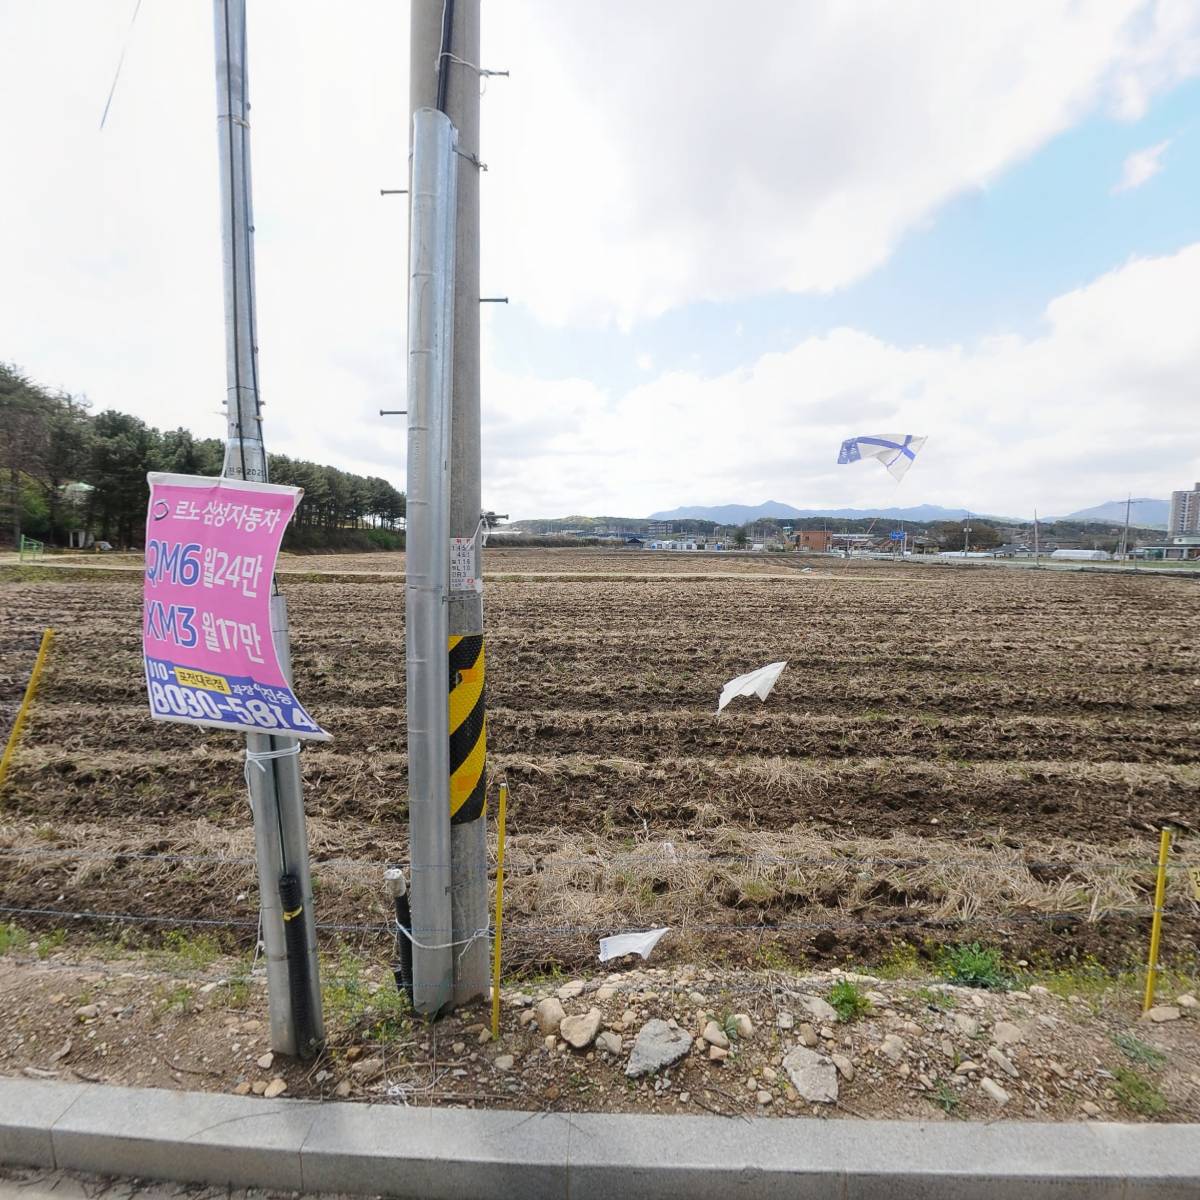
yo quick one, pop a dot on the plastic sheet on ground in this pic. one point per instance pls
(621, 944)
(754, 683)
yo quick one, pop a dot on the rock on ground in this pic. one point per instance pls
(821, 1009)
(609, 1042)
(657, 1046)
(580, 1031)
(549, 1015)
(813, 1075)
(994, 1090)
(1161, 1013)
(714, 1035)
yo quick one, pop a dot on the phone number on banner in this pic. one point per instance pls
(182, 694)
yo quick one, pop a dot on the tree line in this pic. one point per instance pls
(63, 469)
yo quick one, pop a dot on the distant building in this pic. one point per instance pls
(660, 528)
(1185, 512)
(817, 540)
(1082, 555)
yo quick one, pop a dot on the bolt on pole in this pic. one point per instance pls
(434, 174)
(280, 836)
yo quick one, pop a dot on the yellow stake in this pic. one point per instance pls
(22, 712)
(499, 911)
(1160, 888)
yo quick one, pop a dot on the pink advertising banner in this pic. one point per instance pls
(211, 546)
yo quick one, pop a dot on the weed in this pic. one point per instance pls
(945, 1098)
(382, 1015)
(772, 958)
(1137, 1094)
(974, 966)
(236, 992)
(47, 943)
(176, 999)
(1137, 1050)
(756, 891)
(12, 937)
(938, 999)
(901, 962)
(191, 950)
(847, 1000)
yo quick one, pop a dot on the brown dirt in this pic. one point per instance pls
(1010, 713)
(155, 1023)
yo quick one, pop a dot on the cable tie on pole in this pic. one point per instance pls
(465, 943)
(462, 62)
(259, 759)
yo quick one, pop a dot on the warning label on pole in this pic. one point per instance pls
(462, 566)
(211, 546)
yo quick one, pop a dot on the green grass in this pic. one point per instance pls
(944, 1097)
(1137, 1050)
(12, 938)
(974, 966)
(382, 1015)
(176, 999)
(1137, 1094)
(48, 942)
(847, 1000)
(192, 951)
(942, 1000)
(901, 962)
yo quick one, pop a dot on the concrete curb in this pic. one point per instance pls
(456, 1154)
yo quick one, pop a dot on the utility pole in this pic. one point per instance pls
(966, 534)
(1036, 550)
(444, 74)
(273, 771)
(1125, 535)
(427, 565)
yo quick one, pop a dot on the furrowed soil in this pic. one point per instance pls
(952, 754)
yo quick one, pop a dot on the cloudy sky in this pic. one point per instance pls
(733, 234)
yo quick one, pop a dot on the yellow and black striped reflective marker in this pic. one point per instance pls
(468, 728)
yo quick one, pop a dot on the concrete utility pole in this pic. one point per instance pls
(427, 564)
(280, 837)
(444, 74)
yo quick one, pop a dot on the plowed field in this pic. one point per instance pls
(951, 753)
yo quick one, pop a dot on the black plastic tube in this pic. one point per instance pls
(292, 903)
(403, 968)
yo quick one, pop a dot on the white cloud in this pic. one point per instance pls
(642, 155)
(647, 155)
(1141, 166)
(1099, 405)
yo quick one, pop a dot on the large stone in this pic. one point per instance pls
(657, 1046)
(580, 1031)
(1003, 1062)
(807, 1035)
(966, 1025)
(1161, 1013)
(570, 990)
(550, 1013)
(813, 1075)
(275, 1088)
(609, 1042)
(1005, 1033)
(821, 1009)
(893, 1047)
(743, 1026)
(845, 1067)
(991, 1088)
(714, 1035)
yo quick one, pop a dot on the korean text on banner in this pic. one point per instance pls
(211, 546)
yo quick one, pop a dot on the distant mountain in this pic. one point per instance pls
(739, 514)
(1144, 512)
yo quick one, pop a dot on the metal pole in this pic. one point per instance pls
(1036, 550)
(1125, 535)
(430, 349)
(434, 76)
(280, 838)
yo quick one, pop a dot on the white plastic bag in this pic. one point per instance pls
(755, 683)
